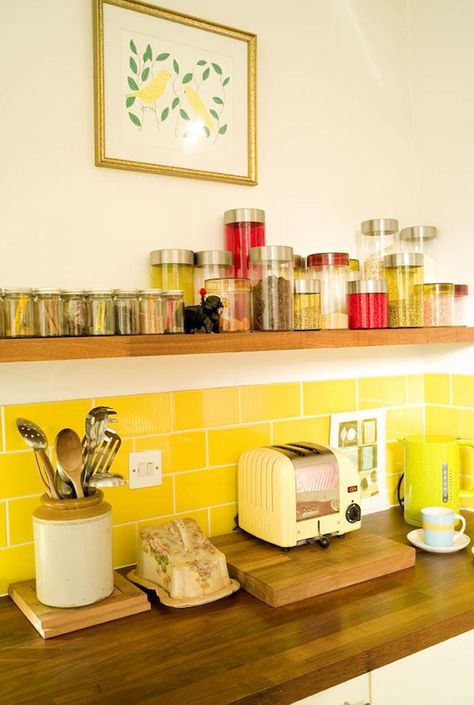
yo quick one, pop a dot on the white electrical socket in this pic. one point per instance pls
(144, 469)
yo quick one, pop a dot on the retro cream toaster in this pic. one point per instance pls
(298, 492)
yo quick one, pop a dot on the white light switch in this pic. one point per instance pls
(144, 469)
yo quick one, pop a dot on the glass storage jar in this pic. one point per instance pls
(100, 312)
(151, 312)
(211, 264)
(299, 267)
(306, 304)
(404, 275)
(379, 237)
(19, 313)
(461, 301)
(173, 270)
(423, 239)
(126, 312)
(48, 308)
(75, 312)
(367, 301)
(438, 304)
(173, 311)
(331, 269)
(271, 276)
(235, 296)
(243, 228)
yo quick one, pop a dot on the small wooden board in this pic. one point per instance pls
(125, 600)
(280, 577)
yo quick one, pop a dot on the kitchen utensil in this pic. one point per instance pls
(96, 425)
(69, 453)
(103, 456)
(36, 438)
(105, 479)
(431, 475)
(62, 484)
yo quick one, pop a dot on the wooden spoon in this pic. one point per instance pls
(69, 453)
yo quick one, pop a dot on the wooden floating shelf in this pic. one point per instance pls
(40, 349)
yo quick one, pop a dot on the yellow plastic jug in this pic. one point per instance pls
(432, 474)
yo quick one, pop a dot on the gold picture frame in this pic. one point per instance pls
(174, 94)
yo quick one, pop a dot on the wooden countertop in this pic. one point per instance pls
(239, 650)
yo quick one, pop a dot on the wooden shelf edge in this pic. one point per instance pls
(43, 349)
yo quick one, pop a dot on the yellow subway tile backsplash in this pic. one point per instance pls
(204, 408)
(437, 389)
(140, 414)
(415, 389)
(16, 564)
(463, 391)
(313, 430)
(441, 420)
(269, 401)
(394, 458)
(19, 475)
(20, 512)
(465, 423)
(124, 545)
(377, 392)
(52, 417)
(3, 524)
(223, 519)
(180, 451)
(226, 445)
(329, 396)
(404, 422)
(133, 505)
(205, 487)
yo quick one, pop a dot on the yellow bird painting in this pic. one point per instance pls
(198, 106)
(154, 89)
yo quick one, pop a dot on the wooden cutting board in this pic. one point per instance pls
(280, 577)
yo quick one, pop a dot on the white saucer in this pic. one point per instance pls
(460, 541)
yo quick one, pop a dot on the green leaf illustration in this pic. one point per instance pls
(165, 114)
(145, 73)
(132, 83)
(217, 69)
(133, 47)
(223, 129)
(188, 77)
(175, 66)
(174, 103)
(148, 53)
(207, 131)
(133, 64)
(218, 100)
(130, 101)
(201, 62)
(184, 114)
(135, 119)
(226, 81)
(214, 114)
(162, 57)
(205, 74)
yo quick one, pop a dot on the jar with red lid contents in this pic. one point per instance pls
(243, 228)
(331, 269)
(461, 297)
(367, 303)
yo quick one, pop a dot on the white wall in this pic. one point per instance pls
(346, 95)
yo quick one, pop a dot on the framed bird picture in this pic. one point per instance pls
(175, 94)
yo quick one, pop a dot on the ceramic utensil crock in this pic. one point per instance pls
(73, 550)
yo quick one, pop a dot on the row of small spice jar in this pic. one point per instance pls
(53, 312)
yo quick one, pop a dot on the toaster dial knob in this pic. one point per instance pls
(353, 513)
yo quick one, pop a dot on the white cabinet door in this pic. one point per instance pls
(440, 675)
(353, 692)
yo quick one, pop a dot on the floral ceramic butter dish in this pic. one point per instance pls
(179, 562)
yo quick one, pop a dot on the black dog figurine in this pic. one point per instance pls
(205, 316)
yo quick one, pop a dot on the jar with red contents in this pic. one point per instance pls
(367, 302)
(243, 228)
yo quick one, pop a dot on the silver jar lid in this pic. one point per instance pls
(224, 258)
(419, 232)
(244, 215)
(367, 286)
(173, 292)
(150, 292)
(172, 257)
(125, 292)
(99, 292)
(307, 286)
(18, 292)
(270, 253)
(403, 259)
(379, 226)
(73, 292)
(48, 292)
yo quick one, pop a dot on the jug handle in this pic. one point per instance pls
(463, 494)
